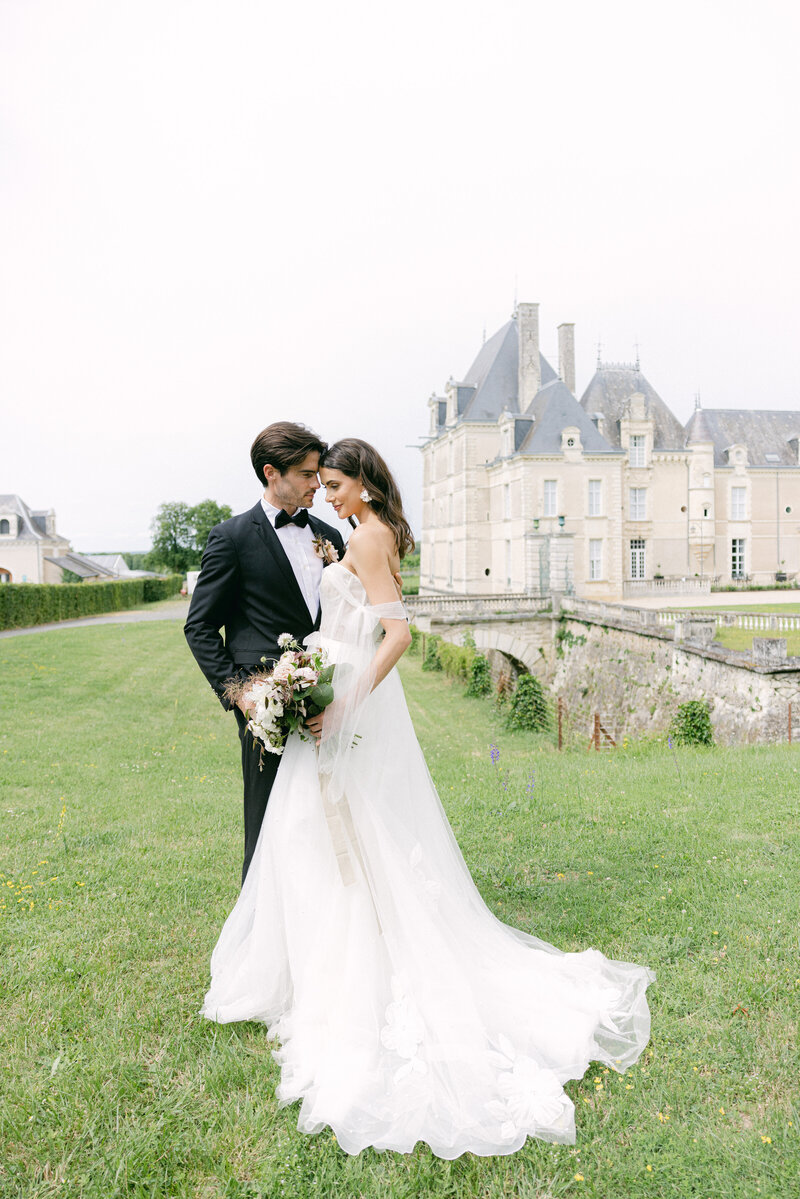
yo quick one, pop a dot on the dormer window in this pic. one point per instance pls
(5, 528)
(636, 449)
(570, 439)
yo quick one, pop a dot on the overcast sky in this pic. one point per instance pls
(214, 215)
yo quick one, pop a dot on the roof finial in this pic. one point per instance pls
(636, 348)
(697, 403)
(484, 334)
(516, 282)
(599, 352)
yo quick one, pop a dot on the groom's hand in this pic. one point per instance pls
(314, 725)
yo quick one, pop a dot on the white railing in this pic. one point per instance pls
(633, 587)
(759, 622)
(475, 605)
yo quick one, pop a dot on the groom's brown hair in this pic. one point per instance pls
(282, 445)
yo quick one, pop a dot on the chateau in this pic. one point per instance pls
(528, 489)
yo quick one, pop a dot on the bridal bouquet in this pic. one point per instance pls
(280, 700)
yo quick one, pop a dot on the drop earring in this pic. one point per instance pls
(364, 496)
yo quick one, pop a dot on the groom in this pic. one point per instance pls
(260, 577)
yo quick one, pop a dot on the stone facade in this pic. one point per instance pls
(527, 489)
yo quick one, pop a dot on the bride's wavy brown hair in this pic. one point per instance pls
(359, 460)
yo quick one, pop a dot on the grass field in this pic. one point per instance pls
(120, 851)
(785, 609)
(742, 639)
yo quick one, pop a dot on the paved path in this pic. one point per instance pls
(172, 610)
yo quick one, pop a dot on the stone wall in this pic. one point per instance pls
(637, 680)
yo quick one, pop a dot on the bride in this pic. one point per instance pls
(405, 1011)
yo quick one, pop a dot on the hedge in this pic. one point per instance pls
(26, 604)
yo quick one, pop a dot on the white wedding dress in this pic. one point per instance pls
(404, 1009)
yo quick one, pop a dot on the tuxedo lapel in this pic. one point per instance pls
(272, 543)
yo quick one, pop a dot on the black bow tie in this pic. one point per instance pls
(300, 518)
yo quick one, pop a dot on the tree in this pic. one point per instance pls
(203, 517)
(180, 534)
(173, 538)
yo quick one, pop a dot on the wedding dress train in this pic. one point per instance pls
(404, 1009)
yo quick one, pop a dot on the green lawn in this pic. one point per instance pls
(787, 608)
(120, 838)
(733, 638)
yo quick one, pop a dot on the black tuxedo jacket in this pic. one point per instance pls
(247, 586)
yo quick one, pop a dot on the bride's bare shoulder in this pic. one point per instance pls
(372, 540)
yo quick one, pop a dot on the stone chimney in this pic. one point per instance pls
(566, 355)
(530, 375)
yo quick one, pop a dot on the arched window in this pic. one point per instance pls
(5, 527)
(5, 575)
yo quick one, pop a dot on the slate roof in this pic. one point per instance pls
(80, 565)
(119, 567)
(763, 432)
(493, 376)
(608, 393)
(558, 409)
(698, 430)
(33, 524)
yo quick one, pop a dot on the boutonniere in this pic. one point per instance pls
(325, 549)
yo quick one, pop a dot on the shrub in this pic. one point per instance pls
(415, 648)
(432, 660)
(456, 660)
(691, 724)
(26, 604)
(480, 679)
(528, 705)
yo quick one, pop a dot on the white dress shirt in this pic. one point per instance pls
(303, 559)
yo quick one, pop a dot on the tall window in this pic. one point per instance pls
(636, 449)
(450, 565)
(638, 501)
(550, 497)
(506, 500)
(738, 503)
(595, 559)
(595, 497)
(737, 558)
(508, 564)
(637, 558)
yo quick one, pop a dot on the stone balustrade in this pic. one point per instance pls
(684, 586)
(511, 603)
